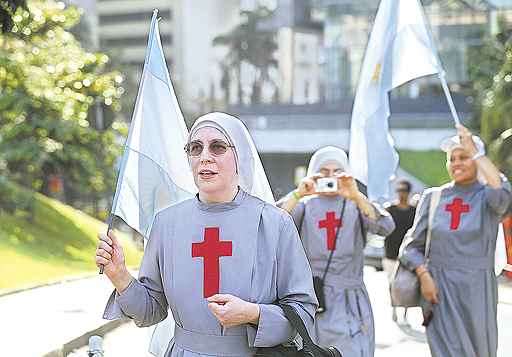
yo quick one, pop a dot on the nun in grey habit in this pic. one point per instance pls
(347, 322)
(459, 284)
(219, 261)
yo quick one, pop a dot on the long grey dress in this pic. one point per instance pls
(348, 321)
(247, 248)
(461, 262)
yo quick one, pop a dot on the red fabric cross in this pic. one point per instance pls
(457, 208)
(330, 223)
(211, 249)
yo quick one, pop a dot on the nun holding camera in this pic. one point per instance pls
(333, 216)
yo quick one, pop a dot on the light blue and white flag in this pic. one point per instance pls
(400, 49)
(154, 171)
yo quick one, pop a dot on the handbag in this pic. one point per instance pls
(404, 284)
(309, 348)
(318, 283)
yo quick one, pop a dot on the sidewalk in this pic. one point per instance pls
(53, 320)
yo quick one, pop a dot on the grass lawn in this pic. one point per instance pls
(428, 166)
(60, 241)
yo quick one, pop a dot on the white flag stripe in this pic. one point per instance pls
(154, 170)
(400, 49)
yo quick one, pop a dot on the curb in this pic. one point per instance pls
(5, 292)
(83, 340)
(65, 279)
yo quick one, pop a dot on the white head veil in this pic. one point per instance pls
(325, 155)
(253, 179)
(452, 143)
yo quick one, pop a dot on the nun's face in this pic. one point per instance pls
(214, 169)
(461, 167)
(329, 169)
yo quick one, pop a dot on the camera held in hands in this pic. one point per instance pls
(327, 184)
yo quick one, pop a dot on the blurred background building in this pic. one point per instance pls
(295, 94)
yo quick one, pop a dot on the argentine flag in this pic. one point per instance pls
(154, 172)
(400, 49)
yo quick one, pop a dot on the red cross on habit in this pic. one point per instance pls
(457, 208)
(211, 249)
(330, 223)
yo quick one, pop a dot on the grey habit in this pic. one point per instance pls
(347, 322)
(260, 259)
(461, 261)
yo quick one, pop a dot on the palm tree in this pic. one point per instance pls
(249, 44)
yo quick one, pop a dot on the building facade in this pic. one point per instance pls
(187, 29)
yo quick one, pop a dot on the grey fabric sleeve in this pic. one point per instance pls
(294, 287)
(143, 300)
(383, 225)
(499, 199)
(413, 253)
(298, 211)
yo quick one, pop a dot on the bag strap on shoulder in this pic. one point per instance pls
(335, 239)
(434, 202)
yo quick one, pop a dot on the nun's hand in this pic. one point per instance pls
(109, 253)
(347, 186)
(428, 288)
(307, 185)
(233, 311)
(466, 140)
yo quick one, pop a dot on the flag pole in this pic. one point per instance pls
(449, 97)
(154, 20)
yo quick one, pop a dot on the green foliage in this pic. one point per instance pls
(497, 104)
(15, 200)
(7, 10)
(428, 166)
(50, 90)
(491, 73)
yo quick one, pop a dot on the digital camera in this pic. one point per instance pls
(327, 184)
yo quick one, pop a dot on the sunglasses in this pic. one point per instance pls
(215, 147)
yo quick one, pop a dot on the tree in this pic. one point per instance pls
(490, 70)
(496, 115)
(50, 89)
(249, 44)
(7, 10)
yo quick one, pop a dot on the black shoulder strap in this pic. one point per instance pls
(361, 225)
(296, 321)
(335, 239)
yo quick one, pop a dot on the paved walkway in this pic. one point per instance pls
(51, 318)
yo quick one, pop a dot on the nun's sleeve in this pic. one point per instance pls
(298, 211)
(498, 199)
(294, 287)
(383, 224)
(413, 253)
(143, 300)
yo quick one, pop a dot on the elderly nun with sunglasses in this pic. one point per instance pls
(459, 284)
(333, 222)
(219, 261)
